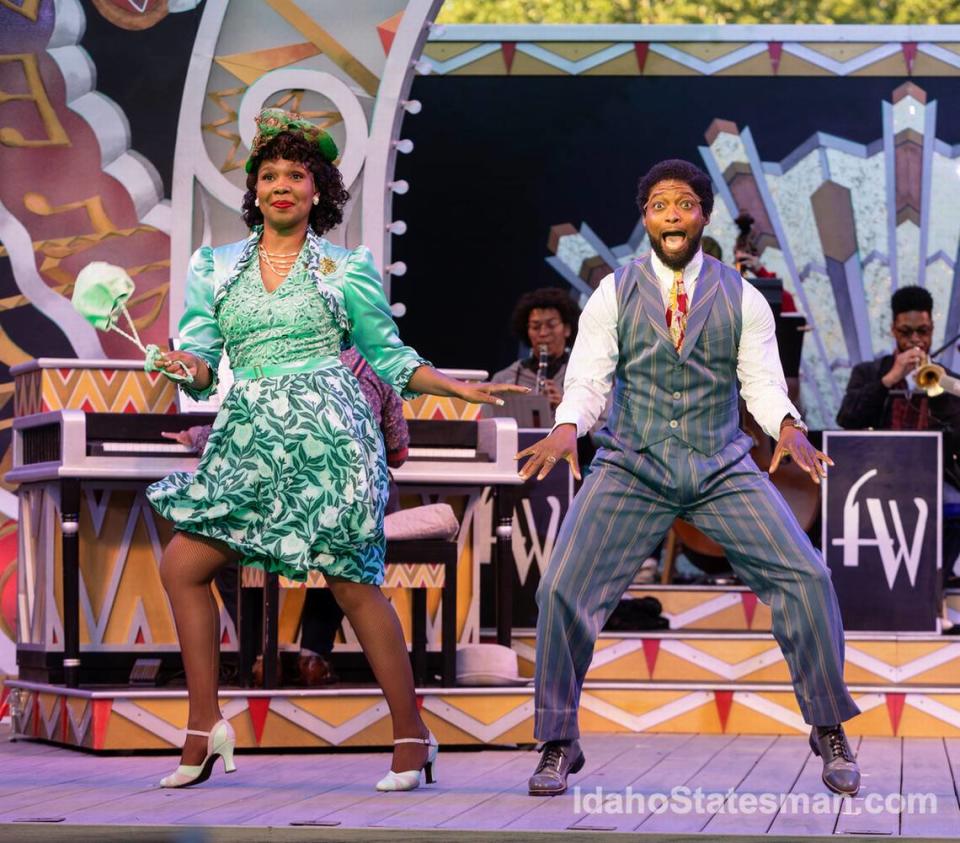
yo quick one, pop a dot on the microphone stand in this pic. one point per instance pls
(945, 346)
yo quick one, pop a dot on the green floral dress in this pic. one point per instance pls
(293, 476)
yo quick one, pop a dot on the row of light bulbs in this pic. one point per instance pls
(401, 186)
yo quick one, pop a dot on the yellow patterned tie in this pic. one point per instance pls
(677, 310)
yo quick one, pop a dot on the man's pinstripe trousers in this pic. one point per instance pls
(624, 510)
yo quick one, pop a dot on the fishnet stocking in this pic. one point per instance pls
(187, 569)
(381, 637)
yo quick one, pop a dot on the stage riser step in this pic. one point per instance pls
(495, 716)
(728, 608)
(744, 658)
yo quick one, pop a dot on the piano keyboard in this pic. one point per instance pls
(452, 452)
(72, 443)
(122, 446)
(144, 448)
(442, 453)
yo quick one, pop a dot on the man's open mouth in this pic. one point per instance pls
(673, 239)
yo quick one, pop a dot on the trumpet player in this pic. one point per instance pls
(883, 394)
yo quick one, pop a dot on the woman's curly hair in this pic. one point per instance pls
(544, 298)
(327, 181)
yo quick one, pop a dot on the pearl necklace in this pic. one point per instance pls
(280, 263)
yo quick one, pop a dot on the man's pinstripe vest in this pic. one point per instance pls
(660, 393)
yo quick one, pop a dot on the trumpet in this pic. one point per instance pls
(934, 380)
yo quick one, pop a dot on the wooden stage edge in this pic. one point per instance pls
(654, 787)
(23, 833)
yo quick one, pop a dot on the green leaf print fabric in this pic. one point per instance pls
(294, 474)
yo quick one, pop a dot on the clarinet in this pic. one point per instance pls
(542, 363)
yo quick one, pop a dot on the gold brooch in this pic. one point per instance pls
(327, 266)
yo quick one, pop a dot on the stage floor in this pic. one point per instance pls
(50, 793)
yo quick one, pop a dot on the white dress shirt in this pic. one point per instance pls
(593, 361)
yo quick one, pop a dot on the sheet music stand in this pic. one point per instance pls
(790, 330)
(528, 410)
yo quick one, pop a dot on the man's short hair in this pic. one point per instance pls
(910, 298)
(676, 168)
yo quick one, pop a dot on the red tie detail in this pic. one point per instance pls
(677, 310)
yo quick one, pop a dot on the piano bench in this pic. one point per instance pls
(421, 558)
(416, 564)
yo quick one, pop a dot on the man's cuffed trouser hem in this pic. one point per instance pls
(555, 725)
(828, 710)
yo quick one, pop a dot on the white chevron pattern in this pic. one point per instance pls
(885, 48)
(901, 673)
(762, 705)
(80, 726)
(642, 722)
(934, 708)
(704, 610)
(484, 732)
(334, 735)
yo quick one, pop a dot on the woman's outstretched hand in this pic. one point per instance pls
(428, 380)
(486, 393)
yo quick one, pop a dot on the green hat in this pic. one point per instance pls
(100, 293)
(274, 121)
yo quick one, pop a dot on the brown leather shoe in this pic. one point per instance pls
(558, 759)
(316, 671)
(840, 771)
(256, 673)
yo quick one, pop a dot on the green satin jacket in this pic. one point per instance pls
(346, 279)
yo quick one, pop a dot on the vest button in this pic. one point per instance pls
(674, 423)
(677, 396)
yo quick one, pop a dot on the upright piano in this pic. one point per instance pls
(90, 431)
(76, 445)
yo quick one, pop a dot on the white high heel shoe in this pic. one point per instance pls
(410, 779)
(221, 742)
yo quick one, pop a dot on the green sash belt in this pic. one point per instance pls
(276, 370)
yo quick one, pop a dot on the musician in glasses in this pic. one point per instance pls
(883, 395)
(546, 319)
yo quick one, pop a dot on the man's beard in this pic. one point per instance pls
(677, 261)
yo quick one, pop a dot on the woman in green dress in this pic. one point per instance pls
(293, 477)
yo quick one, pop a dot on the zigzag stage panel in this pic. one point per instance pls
(913, 661)
(732, 608)
(125, 720)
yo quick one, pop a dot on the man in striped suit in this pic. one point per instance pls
(674, 331)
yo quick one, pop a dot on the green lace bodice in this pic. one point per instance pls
(291, 323)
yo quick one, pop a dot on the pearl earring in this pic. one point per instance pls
(316, 200)
(256, 203)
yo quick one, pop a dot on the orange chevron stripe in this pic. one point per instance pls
(433, 407)
(99, 390)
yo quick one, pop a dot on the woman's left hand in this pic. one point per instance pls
(428, 380)
(486, 393)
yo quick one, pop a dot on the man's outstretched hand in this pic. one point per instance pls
(792, 442)
(561, 444)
